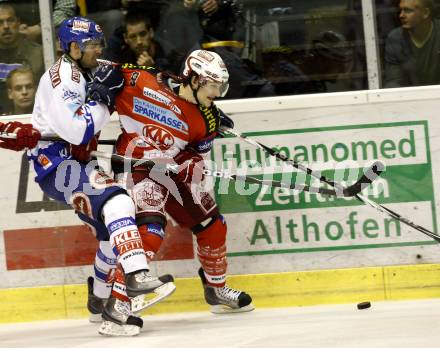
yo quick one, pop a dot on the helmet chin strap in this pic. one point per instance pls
(194, 91)
(79, 60)
(195, 94)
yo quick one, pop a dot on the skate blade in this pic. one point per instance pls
(95, 318)
(221, 309)
(141, 302)
(109, 328)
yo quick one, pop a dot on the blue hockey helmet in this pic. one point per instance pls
(81, 30)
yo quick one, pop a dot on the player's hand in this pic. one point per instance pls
(82, 152)
(190, 168)
(26, 136)
(106, 84)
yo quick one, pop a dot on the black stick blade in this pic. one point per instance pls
(369, 176)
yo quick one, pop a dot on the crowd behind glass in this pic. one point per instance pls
(271, 48)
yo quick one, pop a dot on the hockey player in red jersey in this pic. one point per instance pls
(72, 103)
(165, 118)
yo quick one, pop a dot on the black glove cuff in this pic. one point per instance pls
(225, 120)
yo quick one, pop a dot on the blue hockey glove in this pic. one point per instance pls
(107, 83)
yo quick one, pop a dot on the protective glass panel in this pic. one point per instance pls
(409, 42)
(21, 56)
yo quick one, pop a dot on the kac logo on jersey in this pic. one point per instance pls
(159, 136)
(158, 114)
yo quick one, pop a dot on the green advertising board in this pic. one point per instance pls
(268, 220)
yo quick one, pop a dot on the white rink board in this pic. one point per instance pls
(332, 229)
(279, 114)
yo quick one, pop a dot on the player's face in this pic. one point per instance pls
(209, 91)
(92, 51)
(412, 13)
(138, 37)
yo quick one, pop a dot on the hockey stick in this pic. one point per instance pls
(337, 186)
(398, 217)
(370, 175)
(6, 135)
(174, 168)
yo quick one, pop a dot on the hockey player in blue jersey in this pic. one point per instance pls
(72, 102)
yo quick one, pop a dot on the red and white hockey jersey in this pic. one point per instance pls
(156, 121)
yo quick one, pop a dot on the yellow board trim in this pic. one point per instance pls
(268, 290)
(213, 44)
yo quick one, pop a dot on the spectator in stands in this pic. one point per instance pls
(62, 9)
(332, 62)
(21, 90)
(222, 23)
(107, 13)
(15, 50)
(178, 31)
(152, 8)
(193, 21)
(136, 43)
(208, 7)
(219, 19)
(287, 73)
(245, 79)
(412, 50)
(328, 66)
(29, 14)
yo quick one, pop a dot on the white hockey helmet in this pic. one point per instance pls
(209, 66)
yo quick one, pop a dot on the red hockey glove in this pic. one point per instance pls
(191, 167)
(27, 136)
(82, 152)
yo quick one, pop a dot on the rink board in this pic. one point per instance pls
(279, 220)
(308, 288)
(43, 246)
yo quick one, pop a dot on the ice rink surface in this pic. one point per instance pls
(400, 324)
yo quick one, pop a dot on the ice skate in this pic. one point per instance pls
(95, 305)
(118, 320)
(224, 299)
(146, 290)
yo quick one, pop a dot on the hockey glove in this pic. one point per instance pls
(190, 169)
(107, 83)
(82, 152)
(27, 136)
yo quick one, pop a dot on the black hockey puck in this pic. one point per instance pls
(363, 305)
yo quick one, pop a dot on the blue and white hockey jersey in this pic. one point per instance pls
(60, 110)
